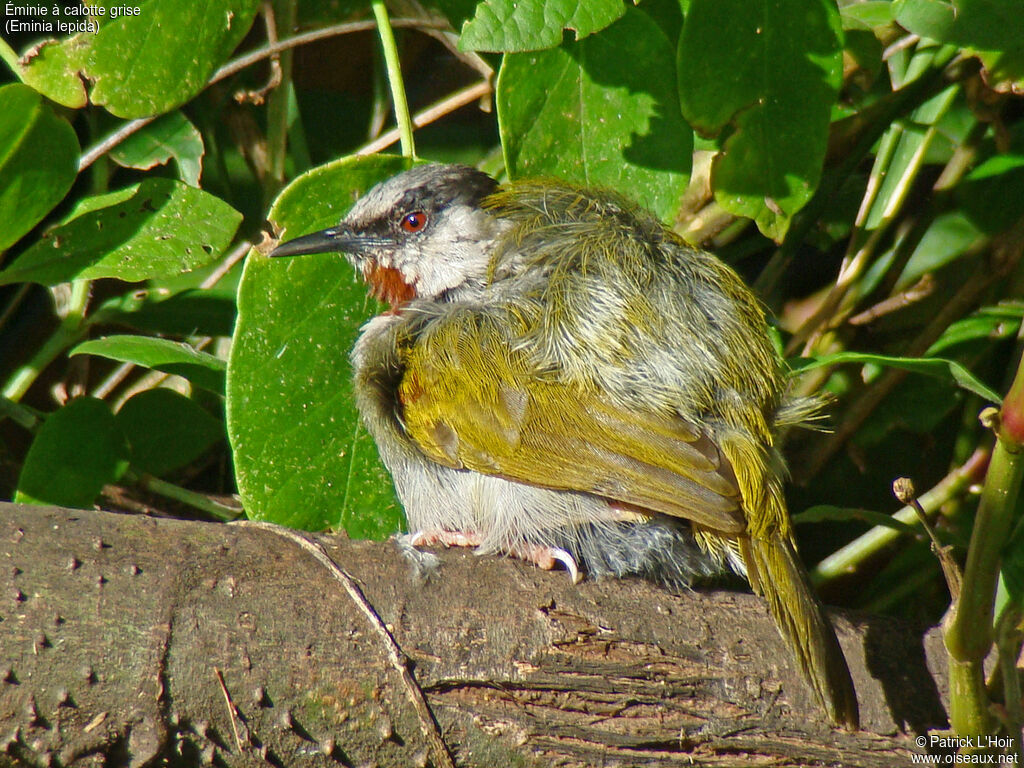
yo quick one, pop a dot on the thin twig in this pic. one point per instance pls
(232, 709)
(97, 151)
(919, 290)
(236, 255)
(903, 489)
(267, 51)
(399, 661)
(430, 114)
(259, 95)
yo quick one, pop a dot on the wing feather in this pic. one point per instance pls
(480, 406)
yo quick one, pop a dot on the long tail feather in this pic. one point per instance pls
(783, 582)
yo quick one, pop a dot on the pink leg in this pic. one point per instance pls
(545, 558)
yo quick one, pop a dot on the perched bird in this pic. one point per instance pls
(562, 379)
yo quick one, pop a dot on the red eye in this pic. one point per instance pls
(414, 222)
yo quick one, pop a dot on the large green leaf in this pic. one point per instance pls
(601, 111)
(768, 72)
(530, 25)
(301, 456)
(38, 161)
(156, 228)
(142, 64)
(201, 368)
(77, 451)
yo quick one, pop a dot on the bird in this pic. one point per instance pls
(560, 378)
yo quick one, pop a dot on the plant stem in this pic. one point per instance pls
(969, 625)
(401, 106)
(185, 496)
(430, 114)
(1008, 643)
(71, 328)
(277, 101)
(19, 414)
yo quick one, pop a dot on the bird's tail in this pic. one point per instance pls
(779, 577)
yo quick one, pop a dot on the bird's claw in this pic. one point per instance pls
(546, 558)
(543, 557)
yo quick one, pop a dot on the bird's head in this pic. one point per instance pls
(420, 234)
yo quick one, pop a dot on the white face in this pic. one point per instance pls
(426, 224)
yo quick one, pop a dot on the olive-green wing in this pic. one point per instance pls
(479, 407)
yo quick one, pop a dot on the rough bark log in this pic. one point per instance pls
(117, 631)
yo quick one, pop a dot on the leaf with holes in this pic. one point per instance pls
(156, 228)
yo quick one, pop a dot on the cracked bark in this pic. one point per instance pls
(114, 628)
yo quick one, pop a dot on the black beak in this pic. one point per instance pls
(335, 239)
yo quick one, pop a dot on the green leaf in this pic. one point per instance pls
(139, 65)
(906, 142)
(869, 14)
(1000, 322)
(188, 313)
(930, 366)
(530, 25)
(77, 451)
(144, 64)
(828, 513)
(770, 73)
(201, 368)
(990, 25)
(38, 161)
(166, 430)
(602, 111)
(156, 228)
(53, 69)
(170, 136)
(301, 455)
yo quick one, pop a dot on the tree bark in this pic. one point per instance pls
(129, 640)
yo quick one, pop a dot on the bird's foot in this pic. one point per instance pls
(545, 558)
(447, 538)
